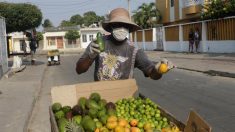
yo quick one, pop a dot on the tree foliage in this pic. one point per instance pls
(147, 15)
(47, 23)
(65, 23)
(20, 16)
(76, 19)
(89, 18)
(72, 35)
(39, 36)
(218, 9)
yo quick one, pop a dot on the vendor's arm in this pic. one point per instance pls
(87, 58)
(148, 67)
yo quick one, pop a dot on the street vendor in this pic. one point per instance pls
(119, 57)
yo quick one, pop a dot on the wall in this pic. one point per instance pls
(3, 48)
(222, 42)
(145, 39)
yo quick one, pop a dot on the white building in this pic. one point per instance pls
(87, 34)
(16, 42)
(55, 38)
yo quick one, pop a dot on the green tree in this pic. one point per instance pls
(20, 16)
(65, 23)
(147, 15)
(72, 35)
(39, 36)
(47, 23)
(76, 19)
(90, 17)
(218, 9)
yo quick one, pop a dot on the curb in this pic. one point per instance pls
(211, 72)
(13, 71)
(36, 97)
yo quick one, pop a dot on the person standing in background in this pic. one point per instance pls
(196, 39)
(33, 46)
(191, 40)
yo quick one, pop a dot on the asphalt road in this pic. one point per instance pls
(178, 92)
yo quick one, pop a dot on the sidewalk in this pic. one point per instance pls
(18, 96)
(213, 64)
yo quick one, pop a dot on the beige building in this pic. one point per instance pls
(180, 11)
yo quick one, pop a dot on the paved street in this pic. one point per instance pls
(178, 91)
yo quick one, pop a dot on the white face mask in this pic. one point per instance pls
(120, 34)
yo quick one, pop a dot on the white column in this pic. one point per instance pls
(204, 38)
(63, 42)
(154, 38)
(181, 5)
(181, 38)
(143, 39)
(44, 42)
(164, 39)
(135, 41)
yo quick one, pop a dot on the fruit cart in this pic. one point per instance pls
(53, 57)
(114, 91)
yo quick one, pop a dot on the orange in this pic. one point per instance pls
(119, 129)
(162, 68)
(147, 126)
(112, 119)
(135, 129)
(97, 130)
(111, 125)
(127, 129)
(134, 122)
(122, 122)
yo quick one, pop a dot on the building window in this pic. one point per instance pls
(84, 39)
(51, 41)
(70, 41)
(90, 37)
(172, 3)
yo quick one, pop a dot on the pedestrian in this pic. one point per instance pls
(196, 39)
(24, 46)
(120, 57)
(191, 40)
(33, 46)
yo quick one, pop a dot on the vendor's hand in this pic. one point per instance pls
(167, 65)
(94, 49)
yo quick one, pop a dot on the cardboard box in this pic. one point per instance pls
(112, 91)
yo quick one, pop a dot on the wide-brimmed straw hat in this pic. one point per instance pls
(120, 17)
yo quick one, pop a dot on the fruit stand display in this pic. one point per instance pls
(109, 106)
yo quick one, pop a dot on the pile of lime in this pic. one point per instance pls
(143, 110)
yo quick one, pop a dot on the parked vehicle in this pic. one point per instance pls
(53, 57)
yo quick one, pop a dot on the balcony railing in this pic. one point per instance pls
(188, 3)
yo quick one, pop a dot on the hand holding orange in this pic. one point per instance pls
(163, 68)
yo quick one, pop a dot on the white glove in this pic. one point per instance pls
(167, 62)
(94, 49)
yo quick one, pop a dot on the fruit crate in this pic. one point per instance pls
(113, 91)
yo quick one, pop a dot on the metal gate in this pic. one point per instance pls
(159, 34)
(3, 48)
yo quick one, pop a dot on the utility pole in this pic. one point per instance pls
(129, 10)
(129, 7)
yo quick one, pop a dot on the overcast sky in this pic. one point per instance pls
(58, 10)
